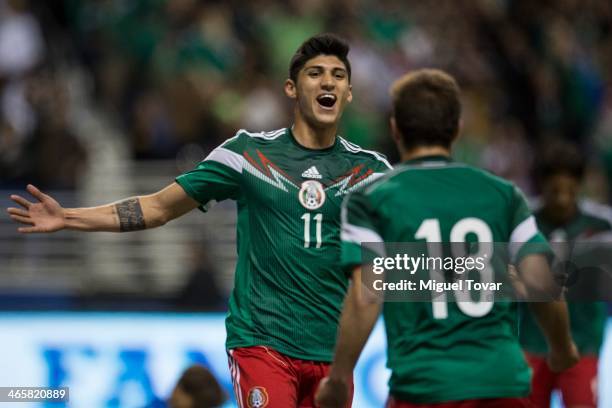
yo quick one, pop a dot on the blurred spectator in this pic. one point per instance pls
(508, 154)
(197, 388)
(184, 71)
(21, 42)
(21, 49)
(58, 156)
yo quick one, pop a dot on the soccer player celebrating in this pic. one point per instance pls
(562, 218)
(288, 184)
(463, 354)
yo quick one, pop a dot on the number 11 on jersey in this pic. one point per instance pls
(318, 218)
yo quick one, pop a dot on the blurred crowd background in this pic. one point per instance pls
(115, 90)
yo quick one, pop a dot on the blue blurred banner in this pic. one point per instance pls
(131, 360)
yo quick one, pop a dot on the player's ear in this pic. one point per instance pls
(349, 97)
(290, 89)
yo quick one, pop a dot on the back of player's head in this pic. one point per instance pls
(201, 387)
(426, 108)
(560, 157)
(320, 44)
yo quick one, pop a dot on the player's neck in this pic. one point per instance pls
(313, 138)
(424, 151)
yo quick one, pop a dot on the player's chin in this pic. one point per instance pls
(326, 117)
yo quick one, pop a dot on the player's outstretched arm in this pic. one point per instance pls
(552, 316)
(132, 214)
(358, 318)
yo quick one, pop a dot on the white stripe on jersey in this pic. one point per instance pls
(228, 158)
(277, 180)
(265, 135)
(356, 234)
(521, 234)
(353, 148)
(525, 230)
(342, 184)
(238, 163)
(595, 209)
(359, 235)
(370, 179)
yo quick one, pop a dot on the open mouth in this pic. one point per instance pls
(327, 101)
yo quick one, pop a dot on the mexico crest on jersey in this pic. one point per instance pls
(312, 194)
(257, 398)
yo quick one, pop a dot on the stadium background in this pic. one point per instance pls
(101, 100)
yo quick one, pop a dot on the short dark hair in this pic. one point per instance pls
(320, 44)
(559, 157)
(426, 108)
(201, 385)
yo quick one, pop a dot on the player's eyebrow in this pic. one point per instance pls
(322, 68)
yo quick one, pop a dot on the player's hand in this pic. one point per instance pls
(46, 215)
(520, 289)
(332, 393)
(559, 360)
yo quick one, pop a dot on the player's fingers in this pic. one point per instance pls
(23, 220)
(28, 230)
(21, 201)
(516, 282)
(17, 211)
(36, 192)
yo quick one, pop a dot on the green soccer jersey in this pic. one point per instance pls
(587, 319)
(287, 293)
(446, 351)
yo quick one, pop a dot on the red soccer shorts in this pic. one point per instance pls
(578, 385)
(475, 403)
(265, 378)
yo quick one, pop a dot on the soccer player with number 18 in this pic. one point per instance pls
(288, 185)
(442, 354)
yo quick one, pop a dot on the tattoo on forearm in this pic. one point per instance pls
(130, 215)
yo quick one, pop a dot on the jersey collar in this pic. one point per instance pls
(430, 160)
(296, 143)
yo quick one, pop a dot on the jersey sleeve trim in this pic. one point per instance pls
(228, 158)
(356, 234)
(523, 233)
(525, 230)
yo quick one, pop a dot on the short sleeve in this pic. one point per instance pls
(525, 237)
(218, 176)
(359, 225)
